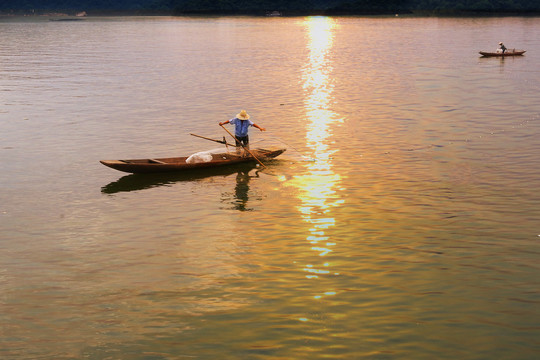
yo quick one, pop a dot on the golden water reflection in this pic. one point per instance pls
(318, 186)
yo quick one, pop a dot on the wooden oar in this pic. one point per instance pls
(218, 141)
(245, 148)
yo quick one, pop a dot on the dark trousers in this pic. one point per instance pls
(244, 140)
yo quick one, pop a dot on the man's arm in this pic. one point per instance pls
(258, 127)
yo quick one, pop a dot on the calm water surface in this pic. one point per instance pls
(403, 221)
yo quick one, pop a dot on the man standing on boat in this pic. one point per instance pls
(241, 127)
(502, 47)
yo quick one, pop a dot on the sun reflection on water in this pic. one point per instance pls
(318, 186)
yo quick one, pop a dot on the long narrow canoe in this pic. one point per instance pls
(176, 164)
(506, 53)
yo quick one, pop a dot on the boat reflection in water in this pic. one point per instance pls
(235, 197)
(136, 182)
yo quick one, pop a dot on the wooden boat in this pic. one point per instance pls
(176, 164)
(508, 52)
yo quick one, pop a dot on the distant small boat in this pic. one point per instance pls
(512, 52)
(273, 13)
(178, 164)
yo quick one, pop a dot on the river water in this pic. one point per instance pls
(403, 222)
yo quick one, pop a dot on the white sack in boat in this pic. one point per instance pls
(199, 157)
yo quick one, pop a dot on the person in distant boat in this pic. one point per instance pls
(241, 126)
(502, 47)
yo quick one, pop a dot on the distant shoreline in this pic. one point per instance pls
(71, 14)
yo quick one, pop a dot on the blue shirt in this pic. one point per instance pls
(241, 127)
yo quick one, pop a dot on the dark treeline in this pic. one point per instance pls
(286, 7)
